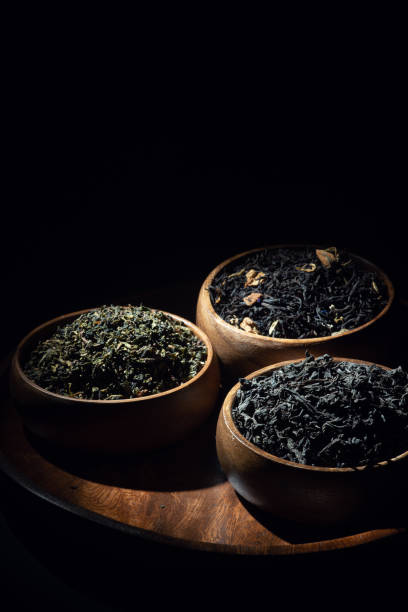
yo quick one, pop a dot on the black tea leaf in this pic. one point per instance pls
(297, 293)
(326, 413)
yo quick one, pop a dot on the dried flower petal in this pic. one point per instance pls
(248, 325)
(253, 278)
(252, 298)
(326, 257)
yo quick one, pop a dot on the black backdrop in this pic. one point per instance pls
(88, 216)
(89, 221)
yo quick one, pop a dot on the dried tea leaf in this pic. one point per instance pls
(115, 352)
(326, 413)
(253, 278)
(311, 267)
(248, 325)
(299, 299)
(218, 295)
(252, 298)
(326, 257)
(236, 273)
(273, 327)
(333, 250)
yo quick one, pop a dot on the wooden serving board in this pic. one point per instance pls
(176, 496)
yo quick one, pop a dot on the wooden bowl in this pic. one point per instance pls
(303, 493)
(242, 352)
(118, 426)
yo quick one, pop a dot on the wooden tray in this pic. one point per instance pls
(176, 496)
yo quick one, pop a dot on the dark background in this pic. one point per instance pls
(142, 164)
(91, 218)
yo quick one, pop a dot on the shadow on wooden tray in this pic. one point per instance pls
(113, 568)
(193, 464)
(394, 516)
(189, 464)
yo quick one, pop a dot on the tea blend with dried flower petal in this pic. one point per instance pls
(117, 352)
(297, 292)
(326, 413)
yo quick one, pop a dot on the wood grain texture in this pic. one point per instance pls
(241, 352)
(178, 495)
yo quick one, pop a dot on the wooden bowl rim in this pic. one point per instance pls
(66, 398)
(229, 422)
(293, 341)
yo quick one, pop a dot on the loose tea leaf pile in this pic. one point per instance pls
(117, 352)
(297, 293)
(326, 413)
